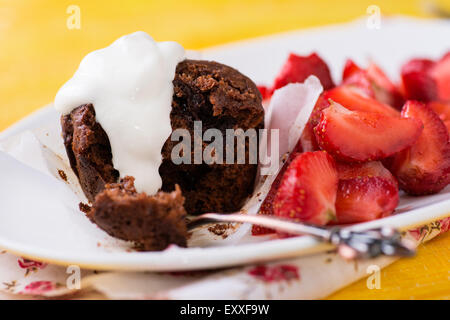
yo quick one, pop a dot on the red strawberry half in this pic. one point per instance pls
(417, 80)
(350, 68)
(298, 68)
(373, 82)
(366, 192)
(354, 99)
(360, 83)
(385, 91)
(424, 168)
(307, 191)
(364, 136)
(366, 169)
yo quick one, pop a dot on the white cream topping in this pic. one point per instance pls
(130, 86)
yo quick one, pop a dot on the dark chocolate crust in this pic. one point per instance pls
(210, 92)
(151, 222)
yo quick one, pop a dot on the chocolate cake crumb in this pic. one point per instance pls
(62, 175)
(84, 207)
(151, 222)
(220, 229)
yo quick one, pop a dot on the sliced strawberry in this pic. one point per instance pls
(353, 99)
(441, 74)
(308, 138)
(373, 82)
(298, 68)
(385, 91)
(424, 168)
(308, 189)
(367, 169)
(357, 78)
(321, 103)
(417, 80)
(379, 77)
(443, 111)
(350, 68)
(360, 83)
(365, 199)
(364, 136)
(267, 205)
(366, 192)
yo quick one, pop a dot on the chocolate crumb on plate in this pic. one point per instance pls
(62, 175)
(84, 207)
(220, 229)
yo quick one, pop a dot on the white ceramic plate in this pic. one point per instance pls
(38, 214)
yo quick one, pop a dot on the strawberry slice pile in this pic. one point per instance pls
(366, 139)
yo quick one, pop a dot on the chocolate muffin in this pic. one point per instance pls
(219, 96)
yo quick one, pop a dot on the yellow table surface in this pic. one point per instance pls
(38, 53)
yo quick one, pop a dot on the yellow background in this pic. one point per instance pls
(38, 53)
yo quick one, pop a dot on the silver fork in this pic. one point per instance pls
(350, 244)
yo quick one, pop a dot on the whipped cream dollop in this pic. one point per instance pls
(130, 86)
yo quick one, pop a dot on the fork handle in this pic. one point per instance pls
(350, 244)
